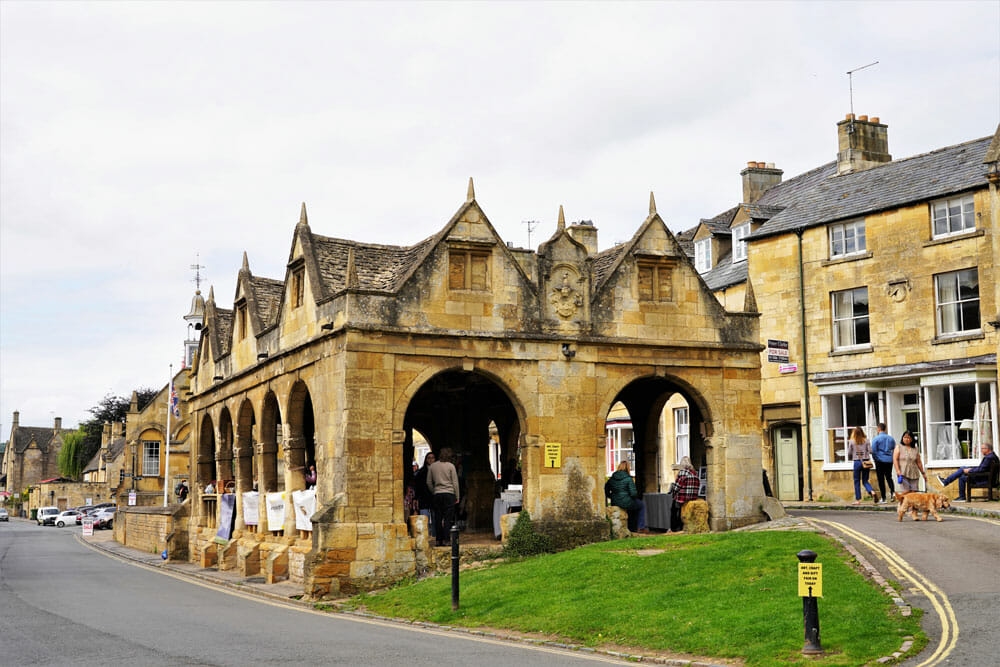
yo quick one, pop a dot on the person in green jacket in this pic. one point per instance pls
(620, 488)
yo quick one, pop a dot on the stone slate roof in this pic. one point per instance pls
(760, 212)
(786, 193)
(725, 273)
(224, 329)
(720, 223)
(115, 448)
(267, 295)
(25, 434)
(905, 369)
(380, 268)
(604, 260)
(936, 174)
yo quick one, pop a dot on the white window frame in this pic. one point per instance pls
(851, 241)
(938, 428)
(150, 466)
(843, 432)
(619, 448)
(740, 232)
(703, 255)
(958, 215)
(836, 318)
(682, 434)
(940, 305)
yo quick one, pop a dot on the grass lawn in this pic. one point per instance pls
(730, 595)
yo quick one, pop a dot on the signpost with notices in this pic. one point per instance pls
(88, 526)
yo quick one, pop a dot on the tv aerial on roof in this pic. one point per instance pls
(850, 84)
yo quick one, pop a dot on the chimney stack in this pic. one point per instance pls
(758, 177)
(58, 424)
(116, 430)
(862, 143)
(585, 233)
(17, 416)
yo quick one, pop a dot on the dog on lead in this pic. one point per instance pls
(928, 503)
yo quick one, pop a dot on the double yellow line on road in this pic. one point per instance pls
(904, 571)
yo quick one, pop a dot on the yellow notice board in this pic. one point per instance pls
(553, 455)
(810, 580)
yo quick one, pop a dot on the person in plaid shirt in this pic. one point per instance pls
(684, 488)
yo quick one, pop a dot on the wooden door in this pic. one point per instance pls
(786, 460)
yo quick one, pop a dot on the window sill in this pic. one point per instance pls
(957, 237)
(958, 338)
(847, 258)
(861, 349)
(836, 467)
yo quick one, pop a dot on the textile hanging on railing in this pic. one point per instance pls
(276, 511)
(251, 510)
(227, 517)
(983, 432)
(305, 506)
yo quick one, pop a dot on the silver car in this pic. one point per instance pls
(3, 514)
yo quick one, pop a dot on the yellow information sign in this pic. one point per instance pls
(553, 455)
(810, 580)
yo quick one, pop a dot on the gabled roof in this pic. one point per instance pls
(939, 173)
(380, 268)
(115, 448)
(267, 298)
(604, 260)
(23, 436)
(222, 340)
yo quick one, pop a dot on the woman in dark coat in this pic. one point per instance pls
(620, 488)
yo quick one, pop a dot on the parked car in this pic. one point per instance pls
(90, 511)
(64, 518)
(45, 516)
(104, 518)
(3, 514)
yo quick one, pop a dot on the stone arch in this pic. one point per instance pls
(225, 466)
(206, 451)
(301, 440)
(272, 464)
(147, 435)
(243, 446)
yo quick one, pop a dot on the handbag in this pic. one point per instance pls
(868, 463)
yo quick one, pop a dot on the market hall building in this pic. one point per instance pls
(360, 349)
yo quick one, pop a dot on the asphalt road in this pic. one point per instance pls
(954, 565)
(62, 603)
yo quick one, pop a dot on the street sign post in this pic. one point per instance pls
(810, 588)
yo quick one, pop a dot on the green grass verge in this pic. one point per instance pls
(730, 595)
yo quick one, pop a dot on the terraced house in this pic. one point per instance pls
(876, 283)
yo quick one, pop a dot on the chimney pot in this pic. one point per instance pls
(848, 116)
(58, 423)
(863, 117)
(751, 165)
(874, 119)
(769, 165)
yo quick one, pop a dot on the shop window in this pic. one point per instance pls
(468, 269)
(841, 414)
(847, 238)
(150, 458)
(655, 280)
(850, 318)
(959, 420)
(953, 216)
(957, 297)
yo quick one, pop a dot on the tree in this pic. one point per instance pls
(111, 409)
(69, 455)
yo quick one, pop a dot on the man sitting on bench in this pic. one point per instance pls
(962, 474)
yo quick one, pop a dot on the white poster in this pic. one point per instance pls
(131, 497)
(251, 510)
(275, 511)
(305, 506)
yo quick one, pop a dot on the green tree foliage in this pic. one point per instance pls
(69, 454)
(524, 541)
(110, 409)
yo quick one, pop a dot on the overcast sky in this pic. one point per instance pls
(134, 136)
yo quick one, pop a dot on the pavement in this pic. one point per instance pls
(984, 508)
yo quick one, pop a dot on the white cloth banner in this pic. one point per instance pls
(305, 506)
(251, 508)
(276, 511)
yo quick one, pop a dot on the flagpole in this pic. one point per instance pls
(170, 409)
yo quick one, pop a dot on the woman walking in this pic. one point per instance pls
(909, 467)
(859, 450)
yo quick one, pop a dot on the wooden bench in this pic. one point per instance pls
(975, 481)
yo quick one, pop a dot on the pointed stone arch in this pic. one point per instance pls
(206, 451)
(300, 442)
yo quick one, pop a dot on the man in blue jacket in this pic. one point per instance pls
(962, 474)
(882, 446)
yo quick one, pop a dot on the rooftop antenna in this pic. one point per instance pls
(531, 226)
(197, 271)
(850, 83)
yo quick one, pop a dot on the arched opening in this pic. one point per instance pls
(473, 416)
(246, 470)
(272, 462)
(206, 452)
(225, 465)
(654, 422)
(301, 436)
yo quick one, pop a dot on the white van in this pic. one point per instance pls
(47, 515)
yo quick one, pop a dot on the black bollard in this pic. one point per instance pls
(810, 612)
(454, 567)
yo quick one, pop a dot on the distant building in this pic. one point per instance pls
(31, 455)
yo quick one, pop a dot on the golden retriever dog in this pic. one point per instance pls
(926, 502)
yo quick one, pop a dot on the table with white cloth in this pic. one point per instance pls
(501, 507)
(658, 510)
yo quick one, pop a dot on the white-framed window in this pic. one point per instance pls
(957, 297)
(682, 435)
(150, 458)
(850, 318)
(847, 238)
(841, 413)
(953, 216)
(739, 244)
(959, 420)
(703, 255)
(619, 445)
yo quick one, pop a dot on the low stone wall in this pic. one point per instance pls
(153, 529)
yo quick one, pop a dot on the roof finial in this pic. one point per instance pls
(561, 224)
(303, 218)
(652, 204)
(471, 196)
(352, 269)
(211, 294)
(246, 263)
